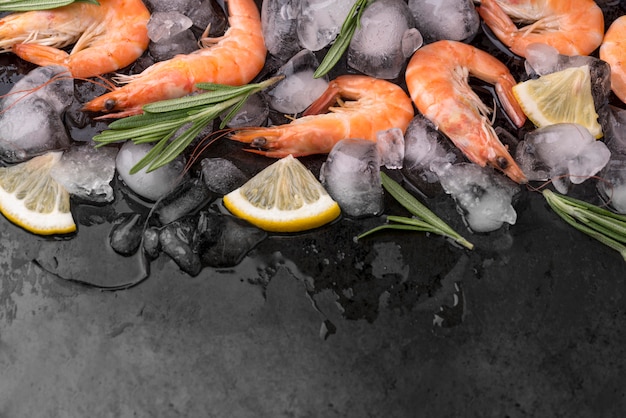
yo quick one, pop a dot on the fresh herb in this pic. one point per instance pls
(607, 227)
(28, 5)
(332, 57)
(174, 124)
(423, 220)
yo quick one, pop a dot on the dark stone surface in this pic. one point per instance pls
(529, 324)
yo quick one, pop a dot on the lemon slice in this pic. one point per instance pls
(32, 199)
(560, 97)
(284, 197)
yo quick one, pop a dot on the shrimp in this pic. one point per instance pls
(613, 51)
(572, 27)
(106, 37)
(437, 80)
(372, 105)
(234, 59)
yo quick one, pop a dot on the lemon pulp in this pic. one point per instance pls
(284, 197)
(560, 97)
(32, 199)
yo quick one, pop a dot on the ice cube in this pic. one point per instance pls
(483, 196)
(30, 117)
(279, 22)
(86, 172)
(351, 175)
(455, 20)
(564, 153)
(612, 187)
(385, 39)
(150, 185)
(319, 21)
(299, 88)
(390, 143)
(165, 25)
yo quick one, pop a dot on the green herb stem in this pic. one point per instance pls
(424, 219)
(605, 226)
(174, 124)
(32, 5)
(342, 42)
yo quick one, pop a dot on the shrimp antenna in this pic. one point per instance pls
(204, 144)
(103, 82)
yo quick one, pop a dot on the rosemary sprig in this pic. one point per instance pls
(174, 124)
(423, 220)
(28, 5)
(352, 21)
(607, 227)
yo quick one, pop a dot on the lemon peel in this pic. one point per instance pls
(33, 200)
(560, 97)
(284, 197)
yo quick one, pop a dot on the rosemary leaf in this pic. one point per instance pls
(600, 224)
(343, 39)
(233, 111)
(151, 155)
(31, 5)
(214, 94)
(416, 208)
(425, 220)
(391, 226)
(174, 124)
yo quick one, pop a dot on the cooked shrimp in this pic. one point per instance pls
(233, 59)
(572, 27)
(437, 79)
(613, 51)
(106, 37)
(368, 105)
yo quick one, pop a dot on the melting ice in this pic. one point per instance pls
(483, 196)
(165, 25)
(175, 25)
(612, 186)
(299, 88)
(565, 153)
(279, 20)
(221, 176)
(351, 175)
(254, 112)
(390, 144)
(385, 39)
(424, 148)
(152, 185)
(319, 21)
(455, 20)
(31, 118)
(86, 172)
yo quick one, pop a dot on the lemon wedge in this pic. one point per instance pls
(32, 199)
(560, 97)
(284, 197)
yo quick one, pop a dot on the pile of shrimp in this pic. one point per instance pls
(112, 35)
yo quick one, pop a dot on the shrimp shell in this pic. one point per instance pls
(613, 51)
(572, 27)
(372, 105)
(437, 79)
(233, 59)
(106, 37)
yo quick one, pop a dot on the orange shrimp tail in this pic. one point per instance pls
(504, 90)
(325, 101)
(499, 23)
(41, 55)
